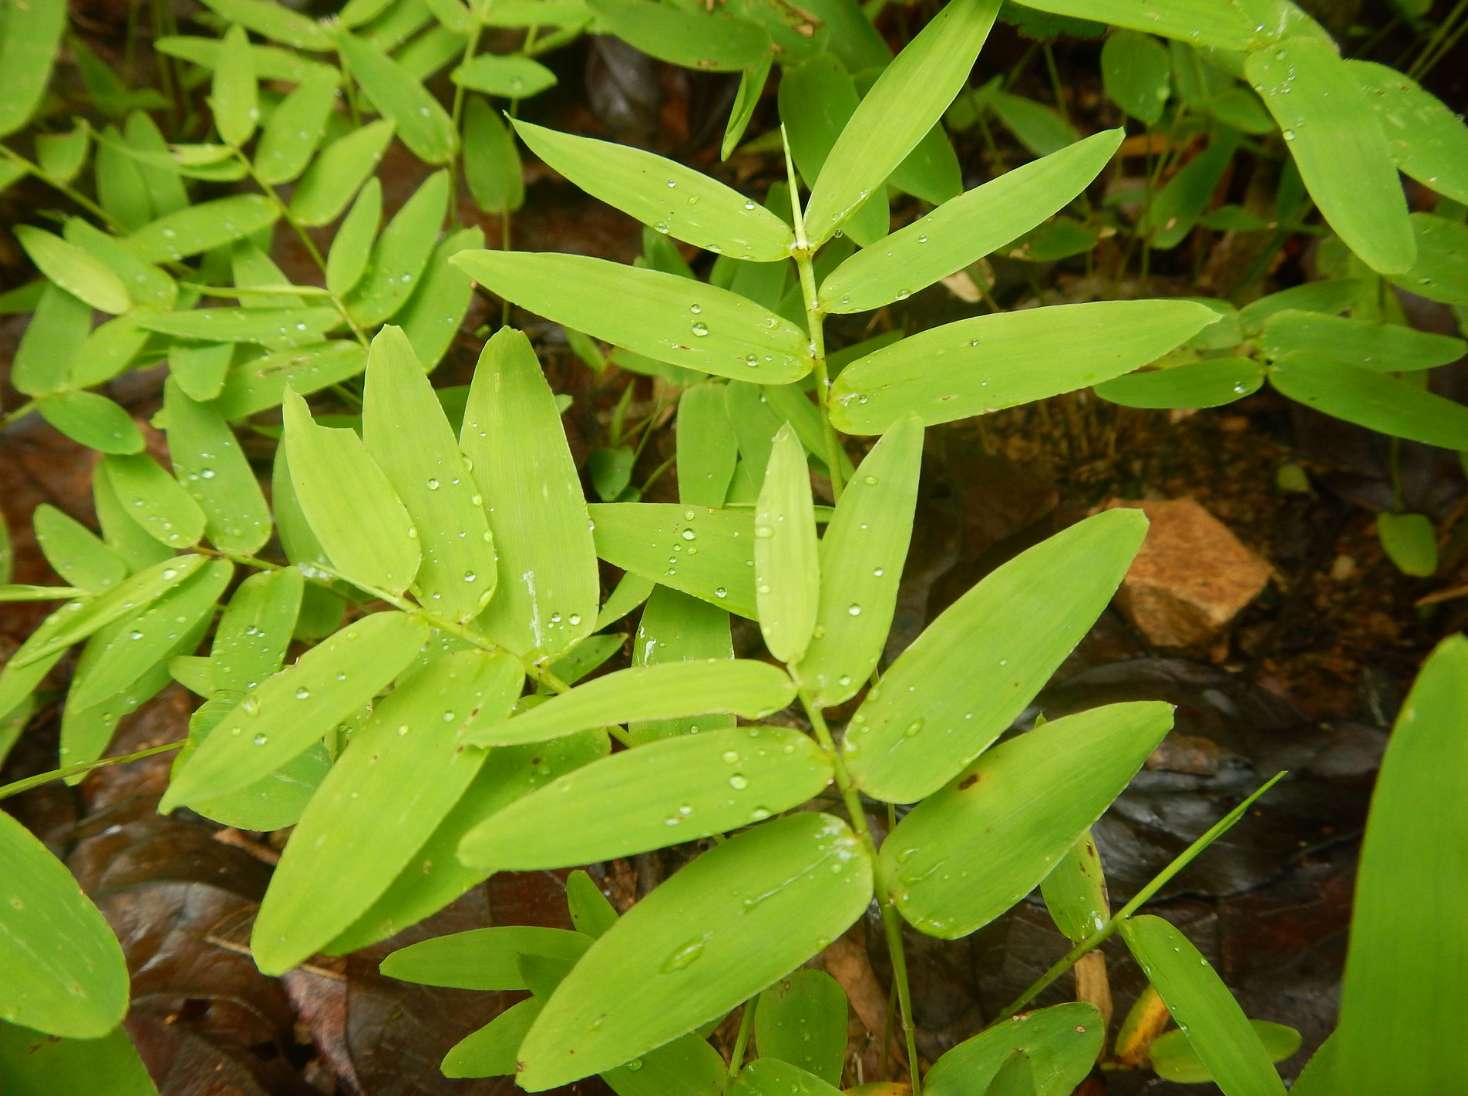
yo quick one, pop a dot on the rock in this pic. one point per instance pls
(1192, 576)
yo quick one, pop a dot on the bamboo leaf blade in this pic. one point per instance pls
(786, 564)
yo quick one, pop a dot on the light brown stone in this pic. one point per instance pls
(1192, 576)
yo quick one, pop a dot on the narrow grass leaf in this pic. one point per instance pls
(772, 1076)
(491, 160)
(57, 330)
(145, 283)
(255, 629)
(421, 122)
(1199, 22)
(1441, 270)
(482, 959)
(351, 247)
(435, 312)
(76, 553)
(400, 254)
(93, 420)
(509, 76)
(336, 173)
(786, 567)
(213, 469)
(690, 37)
(1338, 145)
(1380, 347)
(202, 227)
(30, 37)
(1061, 1043)
(651, 540)
(1427, 138)
(1173, 1058)
(275, 21)
(272, 327)
(972, 671)
(707, 449)
(802, 1020)
(548, 588)
(295, 129)
(282, 716)
(1075, 891)
(1212, 1020)
(155, 500)
(234, 99)
(1016, 811)
(743, 686)
(74, 270)
(1210, 382)
(262, 383)
(490, 1051)
(713, 935)
(677, 628)
(975, 366)
(1137, 74)
(1368, 398)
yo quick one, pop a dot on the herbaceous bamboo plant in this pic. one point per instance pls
(445, 732)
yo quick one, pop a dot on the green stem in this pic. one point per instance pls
(741, 1040)
(891, 922)
(1441, 40)
(1108, 930)
(32, 168)
(25, 785)
(471, 44)
(15, 414)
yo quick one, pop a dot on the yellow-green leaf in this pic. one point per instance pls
(74, 270)
(786, 568)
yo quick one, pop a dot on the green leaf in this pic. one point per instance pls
(1075, 891)
(650, 539)
(662, 316)
(93, 420)
(271, 62)
(435, 312)
(1370, 399)
(75, 552)
(272, 327)
(123, 534)
(665, 793)
(295, 128)
(400, 254)
(802, 1020)
(282, 716)
(1061, 1043)
(786, 567)
(908, 98)
(980, 365)
(120, 189)
(713, 935)
(65, 973)
(482, 959)
(490, 1051)
(234, 100)
(771, 1076)
(1041, 129)
(255, 629)
(366, 532)
(963, 230)
(691, 37)
(677, 628)
(35, 1065)
(421, 122)
(157, 164)
(1409, 541)
(1401, 969)
(548, 589)
(1201, 1004)
(510, 76)
(707, 449)
(74, 270)
(751, 86)
(1330, 297)
(743, 686)
(1210, 382)
(202, 227)
(1200, 22)
(337, 172)
(1016, 811)
(677, 200)
(209, 462)
(397, 779)
(352, 245)
(62, 155)
(1441, 270)
(151, 636)
(862, 554)
(262, 383)
(408, 436)
(1341, 151)
(590, 911)
(687, 1065)
(975, 668)
(145, 283)
(1428, 140)
(1173, 1058)
(491, 160)
(274, 21)
(155, 500)
(51, 342)
(1380, 347)
(1137, 73)
(30, 36)
(1180, 204)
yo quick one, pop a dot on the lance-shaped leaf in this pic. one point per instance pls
(802, 1020)
(397, 779)
(548, 587)
(1441, 270)
(1203, 1007)
(64, 970)
(665, 793)
(786, 568)
(1173, 1058)
(335, 175)
(274, 21)
(1339, 147)
(975, 366)
(482, 959)
(1381, 347)
(366, 531)
(1014, 813)
(908, 98)
(510, 75)
(408, 435)
(76, 553)
(662, 316)
(652, 540)
(973, 670)
(74, 270)
(710, 937)
(150, 636)
(154, 499)
(693, 38)
(30, 35)
(202, 227)
(234, 100)
(255, 629)
(145, 283)
(1211, 382)
(1371, 399)
(1075, 891)
(52, 340)
(275, 327)
(490, 1051)
(208, 460)
(400, 254)
(1202, 22)
(491, 160)
(351, 247)
(862, 555)
(1428, 140)
(964, 229)
(436, 310)
(677, 628)
(282, 716)
(1137, 73)
(1401, 969)
(771, 1076)
(295, 129)
(93, 420)
(421, 122)
(677, 200)
(261, 383)
(742, 686)
(707, 447)
(1061, 1043)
